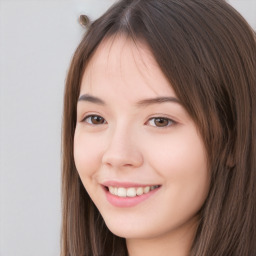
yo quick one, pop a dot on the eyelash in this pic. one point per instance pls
(170, 121)
(90, 116)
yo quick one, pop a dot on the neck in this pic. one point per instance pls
(177, 242)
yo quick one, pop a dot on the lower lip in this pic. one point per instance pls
(128, 201)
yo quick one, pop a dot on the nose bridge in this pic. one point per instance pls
(122, 148)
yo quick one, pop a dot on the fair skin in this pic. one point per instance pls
(123, 141)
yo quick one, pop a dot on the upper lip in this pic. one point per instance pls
(125, 184)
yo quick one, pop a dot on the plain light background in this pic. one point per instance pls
(37, 40)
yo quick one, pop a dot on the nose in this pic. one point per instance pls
(122, 150)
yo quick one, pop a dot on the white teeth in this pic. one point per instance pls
(139, 191)
(146, 189)
(121, 192)
(112, 190)
(130, 192)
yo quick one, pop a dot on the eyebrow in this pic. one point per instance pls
(157, 100)
(90, 98)
(141, 103)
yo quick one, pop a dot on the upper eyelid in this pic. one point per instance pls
(166, 118)
(158, 116)
(87, 116)
(163, 116)
(149, 119)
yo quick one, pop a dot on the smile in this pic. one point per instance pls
(130, 192)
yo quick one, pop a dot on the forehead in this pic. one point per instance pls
(121, 50)
(121, 63)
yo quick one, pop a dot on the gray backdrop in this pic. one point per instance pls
(37, 40)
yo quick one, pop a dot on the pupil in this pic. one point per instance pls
(161, 122)
(97, 120)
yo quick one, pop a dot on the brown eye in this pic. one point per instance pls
(94, 120)
(160, 122)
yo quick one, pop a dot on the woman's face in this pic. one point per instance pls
(136, 149)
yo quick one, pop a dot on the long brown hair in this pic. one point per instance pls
(208, 53)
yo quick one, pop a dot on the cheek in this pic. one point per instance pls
(182, 163)
(182, 152)
(86, 154)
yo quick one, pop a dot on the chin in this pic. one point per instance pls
(128, 231)
(124, 229)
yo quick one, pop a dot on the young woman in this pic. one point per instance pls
(159, 133)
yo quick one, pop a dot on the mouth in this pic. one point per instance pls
(128, 194)
(130, 191)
